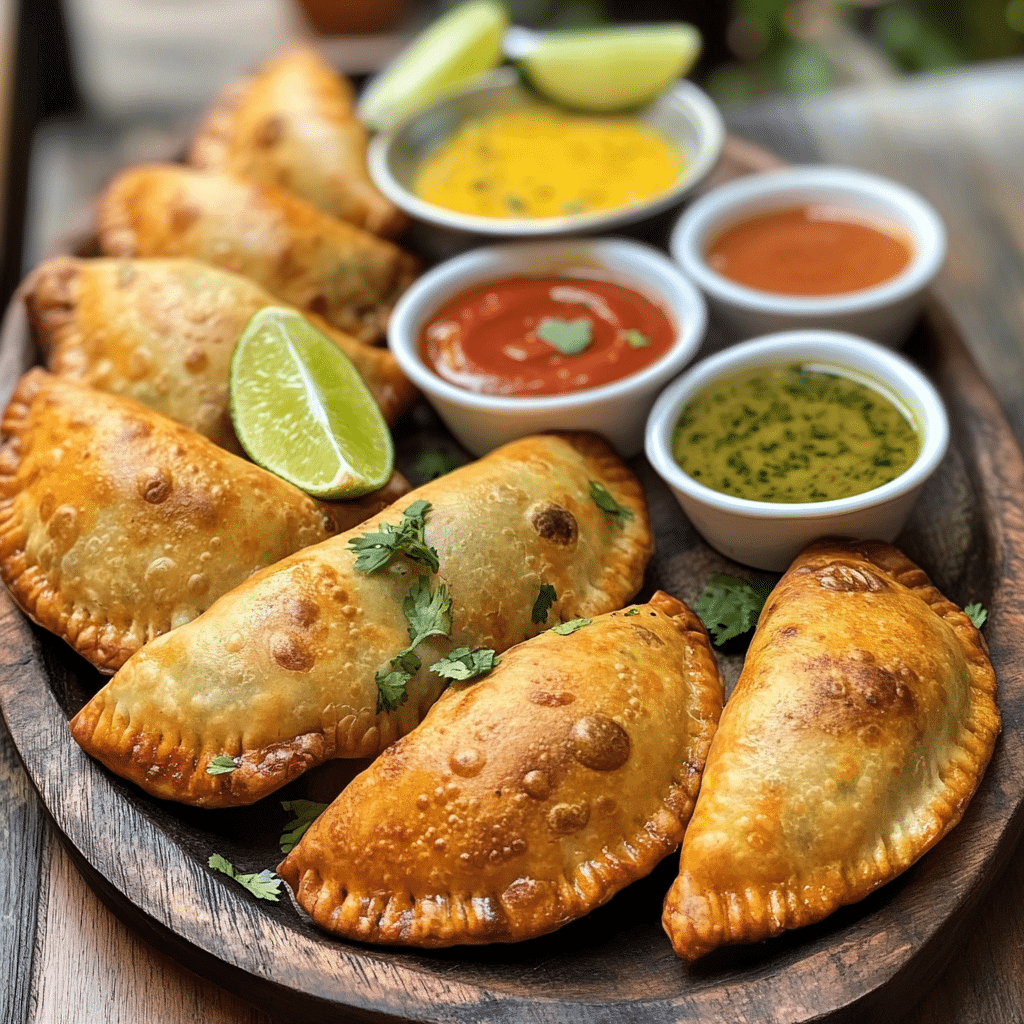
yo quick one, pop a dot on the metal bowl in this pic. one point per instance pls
(683, 114)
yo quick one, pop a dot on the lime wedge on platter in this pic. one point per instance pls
(458, 46)
(609, 69)
(301, 410)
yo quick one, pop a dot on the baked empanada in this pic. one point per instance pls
(303, 661)
(299, 254)
(294, 124)
(117, 524)
(859, 729)
(161, 331)
(525, 799)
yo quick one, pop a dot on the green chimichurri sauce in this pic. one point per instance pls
(794, 433)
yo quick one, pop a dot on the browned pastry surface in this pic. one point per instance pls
(294, 124)
(860, 727)
(295, 251)
(117, 524)
(525, 799)
(280, 673)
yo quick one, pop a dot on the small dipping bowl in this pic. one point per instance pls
(617, 410)
(683, 114)
(768, 535)
(884, 312)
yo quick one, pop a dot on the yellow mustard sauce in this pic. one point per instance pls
(791, 433)
(543, 162)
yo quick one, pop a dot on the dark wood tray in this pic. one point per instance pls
(147, 859)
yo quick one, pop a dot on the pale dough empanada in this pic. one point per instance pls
(280, 674)
(859, 729)
(294, 124)
(161, 331)
(117, 524)
(298, 253)
(525, 799)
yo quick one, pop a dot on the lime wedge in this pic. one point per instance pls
(464, 42)
(610, 69)
(301, 410)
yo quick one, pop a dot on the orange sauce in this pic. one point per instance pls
(544, 335)
(811, 250)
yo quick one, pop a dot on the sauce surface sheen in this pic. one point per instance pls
(487, 339)
(545, 162)
(790, 433)
(817, 249)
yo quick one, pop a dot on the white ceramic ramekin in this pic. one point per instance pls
(883, 312)
(617, 410)
(768, 535)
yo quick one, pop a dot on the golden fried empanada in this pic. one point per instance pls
(525, 799)
(860, 726)
(299, 254)
(161, 331)
(282, 673)
(294, 124)
(117, 524)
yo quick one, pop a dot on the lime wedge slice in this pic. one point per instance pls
(301, 410)
(612, 69)
(464, 42)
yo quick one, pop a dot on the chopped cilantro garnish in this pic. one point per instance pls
(637, 339)
(306, 812)
(976, 614)
(729, 607)
(633, 611)
(464, 663)
(376, 549)
(606, 503)
(545, 599)
(391, 683)
(434, 463)
(570, 337)
(221, 765)
(565, 628)
(264, 885)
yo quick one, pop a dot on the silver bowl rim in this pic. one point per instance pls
(697, 105)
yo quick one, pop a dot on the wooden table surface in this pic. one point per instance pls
(959, 139)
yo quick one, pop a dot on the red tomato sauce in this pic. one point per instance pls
(489, 338)
(811, 250)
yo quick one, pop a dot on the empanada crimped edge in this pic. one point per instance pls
(699, 917)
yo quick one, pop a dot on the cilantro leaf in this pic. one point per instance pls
(637, 339)
(434, 463)
(976, 614)
(264, 885)
(729, 607)
(391, 692)
(306, 812)
(221, 765)
(375, 550)
(463, 663)
(633, 611)
(606, 503)
(545, 599)
(565, 628)
(570, 337)
(429, 612)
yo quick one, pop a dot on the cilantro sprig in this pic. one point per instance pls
(464, 663)
(565, 628)
(306, 812)
(545, 599)
(264, 885)
(606, 503)
(375, 550)
(729, 607)
(976, 613)
(221, 765)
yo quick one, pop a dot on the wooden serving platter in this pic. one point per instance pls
(147, 859)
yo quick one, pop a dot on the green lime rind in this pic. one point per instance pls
(461, 44)
(609, 70)
(302, 411)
